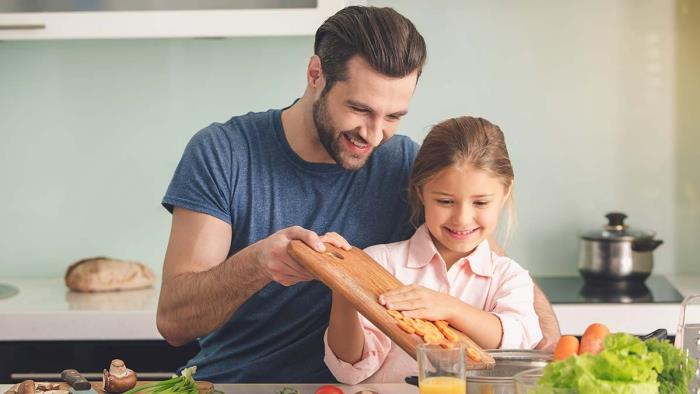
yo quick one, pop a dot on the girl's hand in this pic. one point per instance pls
(420, 302)
(336, 240)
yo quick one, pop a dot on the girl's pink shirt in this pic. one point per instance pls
(483, 280)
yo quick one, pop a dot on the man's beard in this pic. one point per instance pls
(330, 139)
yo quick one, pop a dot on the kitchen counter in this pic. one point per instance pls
(46, 310)
(385, 388)
(636, 318)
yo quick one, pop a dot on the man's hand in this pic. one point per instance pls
(419, 302)
(276, 262)
(548, 322)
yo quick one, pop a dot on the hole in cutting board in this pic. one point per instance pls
(336, 255)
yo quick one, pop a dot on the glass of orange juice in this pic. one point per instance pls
(440, 370)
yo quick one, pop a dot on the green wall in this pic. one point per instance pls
(91, 130)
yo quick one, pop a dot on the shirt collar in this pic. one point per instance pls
(422, 250)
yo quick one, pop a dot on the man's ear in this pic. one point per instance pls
(314, 75)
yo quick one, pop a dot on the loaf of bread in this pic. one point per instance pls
(105, 274)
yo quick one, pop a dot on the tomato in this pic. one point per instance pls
(329, 389)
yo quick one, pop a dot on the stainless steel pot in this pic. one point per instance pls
(617, 252)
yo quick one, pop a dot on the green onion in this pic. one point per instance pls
(183, 384)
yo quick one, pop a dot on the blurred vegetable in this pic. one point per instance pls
(592, 339)
(289, 390)
(625, 365)
(678, 370)
(329, 389)
(567, 346)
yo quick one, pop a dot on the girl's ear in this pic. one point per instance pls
(419, 192)
(506, 196)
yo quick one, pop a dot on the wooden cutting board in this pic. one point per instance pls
(203, 386)
(360, 279)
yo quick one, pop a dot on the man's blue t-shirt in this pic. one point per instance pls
(245, 173)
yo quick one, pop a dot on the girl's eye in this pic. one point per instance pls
(444, 202)
(481, 204)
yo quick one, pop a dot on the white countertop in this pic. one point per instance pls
(636, 318)
(46, 310)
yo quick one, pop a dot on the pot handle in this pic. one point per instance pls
(646, 245)
(659, 334)
(616, 219)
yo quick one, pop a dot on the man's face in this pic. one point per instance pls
(362, 112)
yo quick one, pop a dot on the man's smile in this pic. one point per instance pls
(356, 143)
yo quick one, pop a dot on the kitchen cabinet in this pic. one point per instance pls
(44, 360)
(67, 19)
(48, 328)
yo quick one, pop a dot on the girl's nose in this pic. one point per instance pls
(464, 214)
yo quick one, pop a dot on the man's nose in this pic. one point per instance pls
(373, 132)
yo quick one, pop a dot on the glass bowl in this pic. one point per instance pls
(526, 383)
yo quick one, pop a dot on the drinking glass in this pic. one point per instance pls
(441, 370)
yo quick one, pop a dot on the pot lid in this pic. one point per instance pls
(617, 230)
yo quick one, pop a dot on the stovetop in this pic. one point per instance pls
(573, 290)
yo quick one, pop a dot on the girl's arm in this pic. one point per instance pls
(354, 348)
(483, 327)
(510, 322)
(417, 301)
(345, 333)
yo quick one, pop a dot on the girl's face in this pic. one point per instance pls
(462, 206)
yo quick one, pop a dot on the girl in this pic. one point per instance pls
(461, 180)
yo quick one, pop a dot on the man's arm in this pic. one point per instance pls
(201, 288)
(548, 321)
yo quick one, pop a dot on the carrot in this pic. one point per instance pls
(395, 314)
(567, 346)
(592, 339)
(406, 327)
(473, 354)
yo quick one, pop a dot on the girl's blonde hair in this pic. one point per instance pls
(463, 140)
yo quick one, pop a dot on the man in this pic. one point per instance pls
(245, 188)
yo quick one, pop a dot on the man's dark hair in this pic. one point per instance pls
(385, 39)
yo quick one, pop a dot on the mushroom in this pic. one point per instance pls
(26, 387)
(119, 378)
(47, 386)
